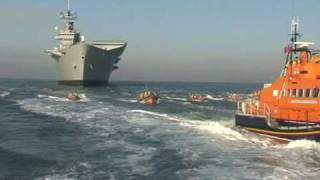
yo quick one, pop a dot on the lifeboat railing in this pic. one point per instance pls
(263, 111)
(244, 108)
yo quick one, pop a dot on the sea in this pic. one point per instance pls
(109, 135)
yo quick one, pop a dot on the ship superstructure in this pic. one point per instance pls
(288, 108)
(80, 63)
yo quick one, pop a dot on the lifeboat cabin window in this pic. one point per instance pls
(315, 92)
(300, 93)
(288, 92)
(307, 93)
(293, 92)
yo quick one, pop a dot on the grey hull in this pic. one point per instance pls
(84, 83)
(80, 63)
(87, 65)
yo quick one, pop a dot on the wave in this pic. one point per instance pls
(303, 144)
(58, 98)
(207, 96)
(128, 100)
(218, 129)
(176, 98)
(75, 112)
(42, 96)
(83, 98)
(223, 129)
(299, 159)
(56, 107)
(54, 98)
(5, 93)
(74, 172)
(214, 98)
(212, 108)
(154, 114)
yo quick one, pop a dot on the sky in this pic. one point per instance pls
(168, 40)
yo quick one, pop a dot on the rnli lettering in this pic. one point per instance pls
(304, 102)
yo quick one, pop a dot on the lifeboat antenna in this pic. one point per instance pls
(293, 8)
(294, 35)
(69, 5)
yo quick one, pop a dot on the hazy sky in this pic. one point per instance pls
(168, 40)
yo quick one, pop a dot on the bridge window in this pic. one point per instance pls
(307, 93)
(293, 92)
(300, 93)
(315, 92)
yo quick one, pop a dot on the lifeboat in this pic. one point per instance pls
(73, 97)
(149, 98)
(289, 107)
(196, 98)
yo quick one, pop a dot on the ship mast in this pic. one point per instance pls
(68, 36)
(69, 17)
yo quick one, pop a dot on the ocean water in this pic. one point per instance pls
(108, 135)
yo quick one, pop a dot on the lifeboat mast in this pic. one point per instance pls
(291, 48)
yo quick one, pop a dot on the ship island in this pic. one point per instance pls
(80, 63)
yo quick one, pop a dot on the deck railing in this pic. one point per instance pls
(261, 109)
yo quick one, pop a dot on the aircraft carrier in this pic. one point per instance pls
(80, 63)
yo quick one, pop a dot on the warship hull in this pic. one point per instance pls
(87, 65)
(80, 63)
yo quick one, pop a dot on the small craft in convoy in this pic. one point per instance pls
(149, 98)
(73, 96)
(196, 98)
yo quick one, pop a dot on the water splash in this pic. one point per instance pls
(5, 93)
(208, 96)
